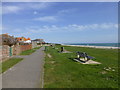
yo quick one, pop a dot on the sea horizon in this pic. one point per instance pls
(95, 44)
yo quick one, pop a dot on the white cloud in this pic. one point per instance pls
(73, 27)
(34, 30)
(24, 6)
(35, 12)
(39, 5)
(104, 26)
(54, 28)
(63, 11)
(47, 19)
(67, 11)
(10, 9)
(1, 28)
(56, 17)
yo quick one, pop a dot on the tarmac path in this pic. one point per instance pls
(26, 74)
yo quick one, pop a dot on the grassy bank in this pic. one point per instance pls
(9, 63)
(62, 72)
(28, 52)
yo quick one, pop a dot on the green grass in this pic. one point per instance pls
(62, 72)
(9, 63)
(28, 52)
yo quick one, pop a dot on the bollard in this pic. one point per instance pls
(62, 49)
(45, 48)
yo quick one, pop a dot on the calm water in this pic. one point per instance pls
(96, 44)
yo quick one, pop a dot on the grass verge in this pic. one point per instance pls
(28, 52)
(9, 63)
(61, 71)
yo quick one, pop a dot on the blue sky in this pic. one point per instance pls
(62, 22)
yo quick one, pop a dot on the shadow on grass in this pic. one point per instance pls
(77, 60)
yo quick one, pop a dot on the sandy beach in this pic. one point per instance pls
(102, 47)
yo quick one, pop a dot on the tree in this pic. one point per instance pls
(8, 40)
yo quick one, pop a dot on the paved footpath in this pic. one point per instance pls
(26, 74)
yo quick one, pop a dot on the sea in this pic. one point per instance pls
(96, 44)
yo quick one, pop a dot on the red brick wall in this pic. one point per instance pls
(4, 52)
(16, 50)
(25, 47)
(0, 53)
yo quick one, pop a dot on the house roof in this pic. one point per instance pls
(22, 39)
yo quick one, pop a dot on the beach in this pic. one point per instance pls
(101, 47)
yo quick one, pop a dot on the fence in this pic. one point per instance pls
(16, 50)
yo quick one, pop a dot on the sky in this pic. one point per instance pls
(62, 22)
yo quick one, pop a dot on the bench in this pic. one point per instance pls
(84, 55)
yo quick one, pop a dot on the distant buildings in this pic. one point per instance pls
(37, 42)
(23, 40)
(6, 39)
(10, 45)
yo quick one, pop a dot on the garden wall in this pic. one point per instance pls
(16, 50)
(25, 47)
(4, 52)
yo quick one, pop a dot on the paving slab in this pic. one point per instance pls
(82, 61)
